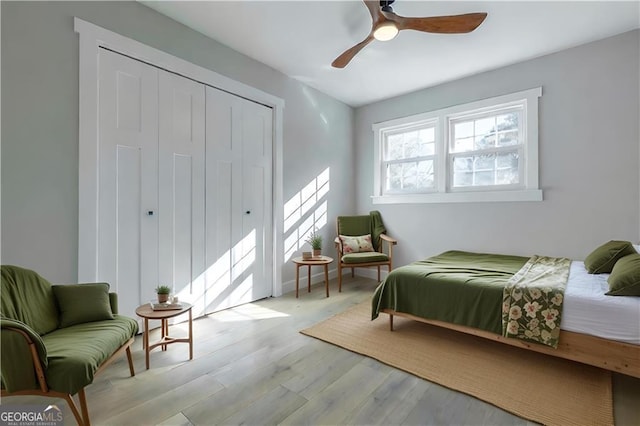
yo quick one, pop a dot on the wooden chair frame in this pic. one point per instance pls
(385, 240)
(82, 419)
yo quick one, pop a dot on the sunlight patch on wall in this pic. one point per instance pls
(304, 212)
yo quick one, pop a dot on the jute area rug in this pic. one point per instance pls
(534, 386)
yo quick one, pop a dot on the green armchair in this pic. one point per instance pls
(355, 252)
(56, 338)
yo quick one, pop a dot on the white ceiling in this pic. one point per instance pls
(302, 38)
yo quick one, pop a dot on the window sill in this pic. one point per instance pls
(461, 197)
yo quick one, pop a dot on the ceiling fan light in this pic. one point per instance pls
(386, 31)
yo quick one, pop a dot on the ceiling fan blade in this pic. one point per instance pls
(374, 9)
(346, 57)
(455, 24)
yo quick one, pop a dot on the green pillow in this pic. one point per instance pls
(602, 259)
(80, 303)
(625, 277)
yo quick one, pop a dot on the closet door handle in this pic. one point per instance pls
(247, 212)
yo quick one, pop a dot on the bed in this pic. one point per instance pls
(463, 291)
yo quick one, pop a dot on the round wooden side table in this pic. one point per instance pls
(146, 311)
(314, 261)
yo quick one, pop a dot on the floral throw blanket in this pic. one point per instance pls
(532, 300)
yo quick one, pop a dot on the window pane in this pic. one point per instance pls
(508, 160)
(507, 121)
(394, 175)
(462, 145)
(485, 162)
(427, 149)
(463, 179)
(427, 141)
(507, 177)
(411, 144)
(508, 169)
(485, 126)
(483, 178)
(486, 169)
(394, 147)
(425, 178)
(463, 164)
(463, 130)
(428, 135)
(486, 141)
(508, 138)
(409, 171)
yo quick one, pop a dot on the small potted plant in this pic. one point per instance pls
(163, 293)
(315, 241)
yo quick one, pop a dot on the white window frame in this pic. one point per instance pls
(527, 190)
(405, 129)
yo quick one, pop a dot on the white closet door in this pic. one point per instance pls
(128, 178)
(256, 128)
(238, 200)
(181, 187)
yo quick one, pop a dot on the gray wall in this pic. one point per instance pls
(40, 123)
(589, 158)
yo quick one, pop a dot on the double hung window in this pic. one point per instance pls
(482, 151)
(409, 158)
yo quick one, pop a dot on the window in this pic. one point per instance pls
(481, 151)
(409, 157)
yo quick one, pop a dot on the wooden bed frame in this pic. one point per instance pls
(610, 355)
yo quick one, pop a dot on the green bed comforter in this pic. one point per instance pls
(457, 287)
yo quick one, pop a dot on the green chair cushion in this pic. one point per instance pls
(80, 303)
(625, 277)
(365, 257)
(602, 259)
(28, 298)
(75, 353)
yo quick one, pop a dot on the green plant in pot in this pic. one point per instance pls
(163, 293)
(315, 241)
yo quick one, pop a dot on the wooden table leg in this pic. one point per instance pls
(190, 335)
(308, 278)
(326, 277)
(146, 341)
(297, 278)
(165, 332)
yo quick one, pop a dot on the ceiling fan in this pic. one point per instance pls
(387, 24)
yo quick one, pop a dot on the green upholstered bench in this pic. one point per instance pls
(56, 338)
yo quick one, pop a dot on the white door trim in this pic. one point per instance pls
(92, 38)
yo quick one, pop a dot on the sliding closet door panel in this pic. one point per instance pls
(237, 216)
(128, 169)
(256, 193)
(221, 205)
(128, 190)
(181, 187)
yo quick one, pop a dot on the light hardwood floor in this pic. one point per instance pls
(252, 366)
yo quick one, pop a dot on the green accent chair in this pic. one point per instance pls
(382, 254)
(56, 338)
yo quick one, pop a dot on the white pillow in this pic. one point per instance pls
(637, 247)
(357, 244)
